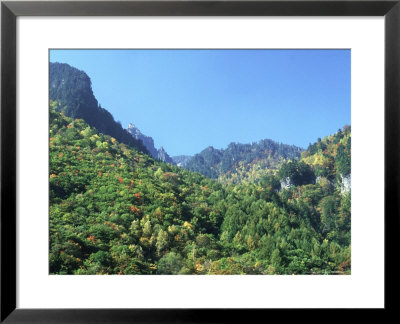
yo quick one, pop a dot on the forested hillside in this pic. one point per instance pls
(331, 156)
(116, 210)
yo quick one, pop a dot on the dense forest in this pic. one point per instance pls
(114, 209)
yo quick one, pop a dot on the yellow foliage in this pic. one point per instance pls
(187, 225)
(199, 267)
(276, 226)
(178, 238)
(271, 270)
(172, 229)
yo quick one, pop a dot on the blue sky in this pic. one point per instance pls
(188, 100)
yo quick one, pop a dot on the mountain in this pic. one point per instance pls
(71, 92)
(215, 163)
(148, 142)
(182, 160)
(162, 155)
(115, 210)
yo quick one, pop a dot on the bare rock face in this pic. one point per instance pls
(163, 156)
(345, 185)
(182, 160)
(148, 142)
(286, 183)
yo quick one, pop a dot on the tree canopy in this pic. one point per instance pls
(116, 210)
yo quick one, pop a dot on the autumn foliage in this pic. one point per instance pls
(114, 210)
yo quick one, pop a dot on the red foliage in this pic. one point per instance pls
(60, 155)
(345, 265)
(91, 238)
(137, 195)
(120, 180)
(134, 209)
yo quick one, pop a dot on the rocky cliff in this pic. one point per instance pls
(148, 142)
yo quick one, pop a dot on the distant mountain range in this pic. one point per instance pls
(213, 162)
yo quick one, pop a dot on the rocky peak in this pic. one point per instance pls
(148, 142)
(162, 155)
(133, 130)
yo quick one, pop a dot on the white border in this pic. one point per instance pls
(364, 288)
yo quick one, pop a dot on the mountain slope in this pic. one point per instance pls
(323, 176)
(331, 158)
(71, 92)
(115, 210)
(332, 154)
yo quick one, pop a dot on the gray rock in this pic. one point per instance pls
(286, 183)
(148, 142)
(182, 160)
(345, 185)
(163, 156)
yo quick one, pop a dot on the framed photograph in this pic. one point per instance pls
(188, 161)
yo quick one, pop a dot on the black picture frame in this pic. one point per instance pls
(10, 10)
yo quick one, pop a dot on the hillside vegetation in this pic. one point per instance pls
(116, 210)
(331, 156)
